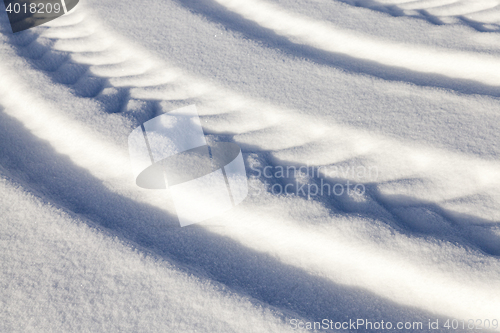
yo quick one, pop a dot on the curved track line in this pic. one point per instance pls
(47, 121)
(482, 15)
(461, 65)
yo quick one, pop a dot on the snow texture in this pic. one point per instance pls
(398, 98)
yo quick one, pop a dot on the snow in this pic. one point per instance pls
(61, 274)
(397, 97)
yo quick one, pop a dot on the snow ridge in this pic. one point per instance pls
(421, 242)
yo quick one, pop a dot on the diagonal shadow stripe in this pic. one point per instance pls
(217, 13)
(37, 167)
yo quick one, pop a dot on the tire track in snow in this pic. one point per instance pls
(246, 271)
(482, 15)
(267, 276)
(481, 68)
(214, 102)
